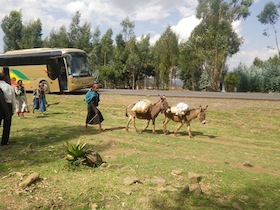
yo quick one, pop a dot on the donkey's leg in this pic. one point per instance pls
(166, 120)
(128, 121)
(189, 130)
(178, 128)
(133, 119)
(146, 126)
(154, 126)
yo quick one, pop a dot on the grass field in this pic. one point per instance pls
(237, 154)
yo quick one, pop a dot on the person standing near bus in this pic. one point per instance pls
(39, 99)
(7, 107)
(21, 101)
(94, 115)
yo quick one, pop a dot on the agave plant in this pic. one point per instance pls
(76, 152)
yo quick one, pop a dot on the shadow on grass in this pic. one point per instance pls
(253, 196)
(180, 201)
(115, 128)
(194, 133)
(38, 146)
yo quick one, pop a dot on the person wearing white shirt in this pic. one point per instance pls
(9, 96)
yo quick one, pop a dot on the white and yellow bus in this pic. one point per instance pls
(59, 69)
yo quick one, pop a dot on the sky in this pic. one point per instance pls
(150, 17)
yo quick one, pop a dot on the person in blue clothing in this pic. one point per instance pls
(94, 116)
(39, 99)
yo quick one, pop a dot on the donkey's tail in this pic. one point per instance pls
(126, 112)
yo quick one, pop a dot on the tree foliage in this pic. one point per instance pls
(259, 79)
(200, 61)
(32, 35)
(167, 52)
(231, 81)
(215, 36)
(270, 16)
(12, 28)
(58, 38)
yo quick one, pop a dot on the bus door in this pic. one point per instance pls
(62, 78)
(57, 70)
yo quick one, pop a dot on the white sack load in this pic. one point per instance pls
(142, 106)
(179, 109)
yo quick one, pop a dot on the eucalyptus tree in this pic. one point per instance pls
(130, 50)
(79, 35)
(127, 29)
(12, 28)
(143, 50)
(167, 50)
(74, 29)
(96, 44)
(32, 35)
(270, 16)
(57, 38)
(215, 35)
(133, 61)
(189, 65)
(84, 39)
(107, 47)
(106, 70)
(119, 61)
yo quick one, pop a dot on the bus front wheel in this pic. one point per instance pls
(46, 86)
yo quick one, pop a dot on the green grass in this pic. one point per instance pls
(237, 131)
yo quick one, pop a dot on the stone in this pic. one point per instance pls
(29, 180)
(194, 178)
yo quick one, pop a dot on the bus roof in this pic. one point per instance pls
(42, 50)
(35, 56)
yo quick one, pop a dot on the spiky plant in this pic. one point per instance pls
(76, 152)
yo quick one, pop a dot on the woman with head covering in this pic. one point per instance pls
(94, 116)
(39, 99)
(21, 101)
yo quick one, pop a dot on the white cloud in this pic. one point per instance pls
(154, 38)
(185, 26)
(247, 56)
(237, 27)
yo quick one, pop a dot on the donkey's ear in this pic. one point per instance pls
(206, 107)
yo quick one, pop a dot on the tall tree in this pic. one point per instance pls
(129, 38)
(107, 47)
(143, 50)
(215, 34)
(96, 45)
(167, 50)
(189, 65)
(133, 61)
(128, 29)
(270, 16)
(120, 57)
(12, 27)
(32, 35)
(58, 38)
(84, 39)
(74, 29)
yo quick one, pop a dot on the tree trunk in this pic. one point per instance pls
(216, 73)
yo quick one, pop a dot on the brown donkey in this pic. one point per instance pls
(187, 118)
(153, 111)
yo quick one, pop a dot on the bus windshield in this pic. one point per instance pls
(79, 65)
